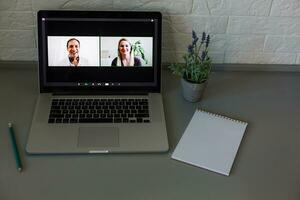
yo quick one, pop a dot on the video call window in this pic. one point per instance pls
(73, 51)
(114, 51)
(80, 51)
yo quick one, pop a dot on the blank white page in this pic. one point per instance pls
(210, 141)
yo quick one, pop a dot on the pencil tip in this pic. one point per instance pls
(9, 124)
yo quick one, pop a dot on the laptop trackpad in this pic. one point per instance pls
(98, 137)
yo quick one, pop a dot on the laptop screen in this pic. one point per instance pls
(99, 51)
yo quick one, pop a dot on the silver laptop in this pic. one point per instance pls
(100, 82)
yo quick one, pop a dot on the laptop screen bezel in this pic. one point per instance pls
(155, 87)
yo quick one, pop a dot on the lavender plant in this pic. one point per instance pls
(197, 65)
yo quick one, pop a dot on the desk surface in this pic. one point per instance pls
(266, 167)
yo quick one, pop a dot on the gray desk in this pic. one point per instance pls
(267, 165)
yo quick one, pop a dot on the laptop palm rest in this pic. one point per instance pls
(98, 137)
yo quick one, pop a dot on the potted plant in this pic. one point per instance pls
(195, 70)
(138, 50)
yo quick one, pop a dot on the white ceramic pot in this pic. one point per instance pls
(192, 91)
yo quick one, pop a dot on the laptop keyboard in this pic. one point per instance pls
(105, 110)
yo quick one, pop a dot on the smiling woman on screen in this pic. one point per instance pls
(125, 55)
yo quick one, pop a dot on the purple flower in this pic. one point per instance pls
(195, 41)
(203, 37)
(199, 50)
(195, 38)
(194, 35)
(207, 41)
(191, 49)
(203, 55)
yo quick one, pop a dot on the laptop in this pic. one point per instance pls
(100, 83)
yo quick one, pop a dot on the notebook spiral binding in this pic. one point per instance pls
(221, 116)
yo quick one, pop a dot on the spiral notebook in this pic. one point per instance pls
(210, 141)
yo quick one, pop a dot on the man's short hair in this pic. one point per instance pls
(71, 40)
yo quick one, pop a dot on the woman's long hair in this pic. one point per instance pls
(131, 53)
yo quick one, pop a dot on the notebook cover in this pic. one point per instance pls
(210, 141)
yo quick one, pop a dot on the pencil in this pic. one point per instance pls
(15, 147)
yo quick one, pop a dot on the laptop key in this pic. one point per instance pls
(92, 111)
(68, 115)
(73, 120)
(56, 116)
(55, 112)
(132, 120)
(125, 120)
(55, 107)
(141, 115)
(95, 120)
(117, 120)
(58, 120)
(65, 121)
(117, 115)
(75, 115)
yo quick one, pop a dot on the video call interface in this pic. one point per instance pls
(92, 52)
